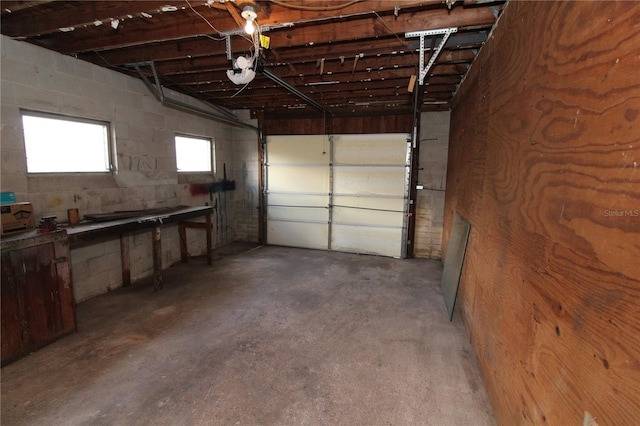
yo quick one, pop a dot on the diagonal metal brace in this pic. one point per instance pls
(446, 32)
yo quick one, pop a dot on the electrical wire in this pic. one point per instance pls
(213, 38)
(200, 15)
(240, 90)
(392, 32)
(316, 8)
(115, 67)
(254, 51)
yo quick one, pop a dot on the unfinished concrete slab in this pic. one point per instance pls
(269, 336)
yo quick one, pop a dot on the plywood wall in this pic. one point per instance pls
(544, 162)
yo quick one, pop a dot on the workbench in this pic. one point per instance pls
(90, 232)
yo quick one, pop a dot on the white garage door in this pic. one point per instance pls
(341, 192)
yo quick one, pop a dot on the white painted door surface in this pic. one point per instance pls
(298, 191)
(341, 192)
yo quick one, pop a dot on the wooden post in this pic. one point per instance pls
(156, 238)
(125, 260)
(208, 229)
(184, 254)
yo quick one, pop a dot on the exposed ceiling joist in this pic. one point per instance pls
(345, 56)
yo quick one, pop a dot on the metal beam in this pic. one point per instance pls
(445, 32)
(156, 90)
(271, 76)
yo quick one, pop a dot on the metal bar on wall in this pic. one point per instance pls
(329, 230)
(407, 200)
(445, 32)
(265, 190)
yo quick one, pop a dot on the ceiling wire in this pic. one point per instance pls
(315, 8)
(200, 15)
(252, 39)
(392, 32)
(240, 90)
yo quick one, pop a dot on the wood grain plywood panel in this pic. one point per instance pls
(544, 162)
(467, 156)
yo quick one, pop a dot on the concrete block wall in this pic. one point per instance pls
(247, 171)
(143, 133)
(432, 174)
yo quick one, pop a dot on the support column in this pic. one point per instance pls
(209, 229)
(125, 260)
(156, 237)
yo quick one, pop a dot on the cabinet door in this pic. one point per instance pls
(41, 298)
(12, 319)
(37, 303)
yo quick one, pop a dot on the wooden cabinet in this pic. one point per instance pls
(37, 292)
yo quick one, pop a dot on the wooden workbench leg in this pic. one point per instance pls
(125, 260)
(208, 229)
(184, 253)
(157, 258)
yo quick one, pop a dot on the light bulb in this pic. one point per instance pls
(249, 28)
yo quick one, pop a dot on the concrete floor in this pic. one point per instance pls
(269, 336)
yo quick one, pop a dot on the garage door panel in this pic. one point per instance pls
(369, 211)
(299, 214)
(298, 179)
(364, 239)
(362, 191)
(370, 149)
(298, 149)
(288, 199)
(369, 180)
(356, 217)
(294, 234)
(394, 203)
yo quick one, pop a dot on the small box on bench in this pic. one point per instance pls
(16, 217)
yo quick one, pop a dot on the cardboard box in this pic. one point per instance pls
(16, 217)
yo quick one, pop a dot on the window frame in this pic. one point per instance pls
(212, 154)
(111, 167)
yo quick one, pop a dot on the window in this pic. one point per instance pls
(59, 144)
(194, 154)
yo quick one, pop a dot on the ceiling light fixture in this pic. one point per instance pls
(242, 72)
(249, 13)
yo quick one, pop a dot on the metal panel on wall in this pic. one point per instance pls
(341, 192)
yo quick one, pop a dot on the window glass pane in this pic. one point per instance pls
(63, 145)
(193, 154)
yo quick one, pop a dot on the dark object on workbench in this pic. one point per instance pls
(73, 217)
(47, 224)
